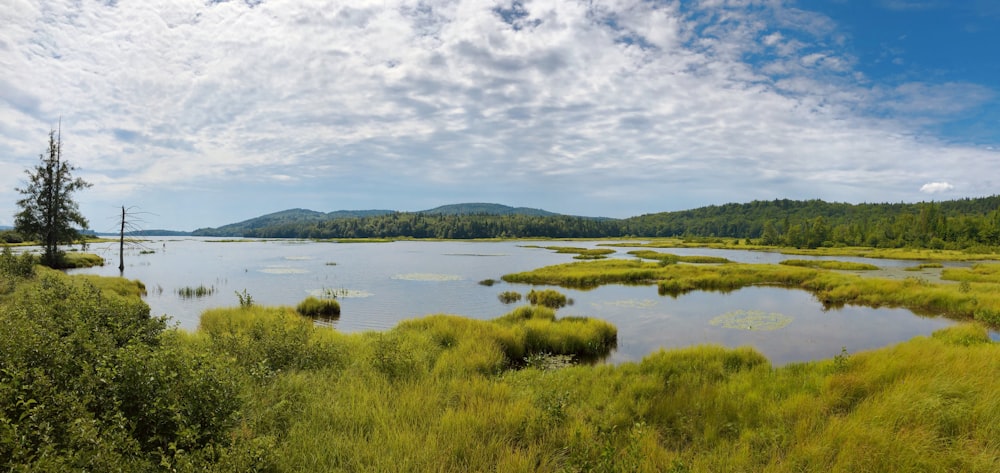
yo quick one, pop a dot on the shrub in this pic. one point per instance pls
(315, 307)
(91, 382)
(509, 297)
(547, 298)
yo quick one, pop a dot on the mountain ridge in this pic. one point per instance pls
(300, 215)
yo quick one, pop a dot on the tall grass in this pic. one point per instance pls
(826, 264)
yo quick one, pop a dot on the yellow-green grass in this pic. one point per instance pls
(315, 307)
(667, 258)
(83, 260)
(828, 264)
(979, 299)
(436, 394)
(923, 266)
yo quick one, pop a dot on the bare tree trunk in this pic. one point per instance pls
(121, 245)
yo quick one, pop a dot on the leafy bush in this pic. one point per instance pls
(315, 307)
(91, 382)
(14, 268)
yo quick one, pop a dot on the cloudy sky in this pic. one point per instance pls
(201, 113)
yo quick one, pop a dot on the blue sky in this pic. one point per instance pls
(205, 113)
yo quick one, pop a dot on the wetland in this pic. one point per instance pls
(380, 285)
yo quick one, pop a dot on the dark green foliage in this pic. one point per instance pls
(10, 236)
(48, 211)
(959, 224)
(90, 382)
(547, 298)
(322, 308)
(509, 297)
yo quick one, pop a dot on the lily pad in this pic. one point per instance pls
(752, 320)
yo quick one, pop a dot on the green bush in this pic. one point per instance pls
(315, 307)
(91, 382)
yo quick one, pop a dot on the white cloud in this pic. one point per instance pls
(354, 102)
(936, 187)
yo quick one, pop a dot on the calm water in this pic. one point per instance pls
(380, 284)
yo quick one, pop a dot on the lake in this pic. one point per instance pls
(379, 284)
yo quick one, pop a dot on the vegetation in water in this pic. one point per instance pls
(827, 264)
(582, 253)
(667, 258)
(923, 266)
(752, 320)
(188, 292)
(487, 282)
(246, 300)
(509, 297)
(548, 298)
(318, 308)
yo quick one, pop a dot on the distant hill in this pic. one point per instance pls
(284, 217)
(486, 209)
(956, 224)
(304, 217)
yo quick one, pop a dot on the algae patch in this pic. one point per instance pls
(752, 320)
(626, 304)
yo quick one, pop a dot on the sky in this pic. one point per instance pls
(196, 113)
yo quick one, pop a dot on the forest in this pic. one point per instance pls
(956, 224)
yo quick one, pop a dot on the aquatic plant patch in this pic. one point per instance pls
(427, 277)
(828, 264)
(626, 304)
(339, 293)
(756, 320)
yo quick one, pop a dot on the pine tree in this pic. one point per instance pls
(48, 211)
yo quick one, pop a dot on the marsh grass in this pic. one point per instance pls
(82, 260)
(314, 307)
(667, 258)
(923, 266)
(827, 264)
(188, 292)
(581, 253)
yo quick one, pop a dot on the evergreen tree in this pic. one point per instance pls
(48, 211)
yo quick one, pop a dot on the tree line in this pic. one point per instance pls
(805, 224)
